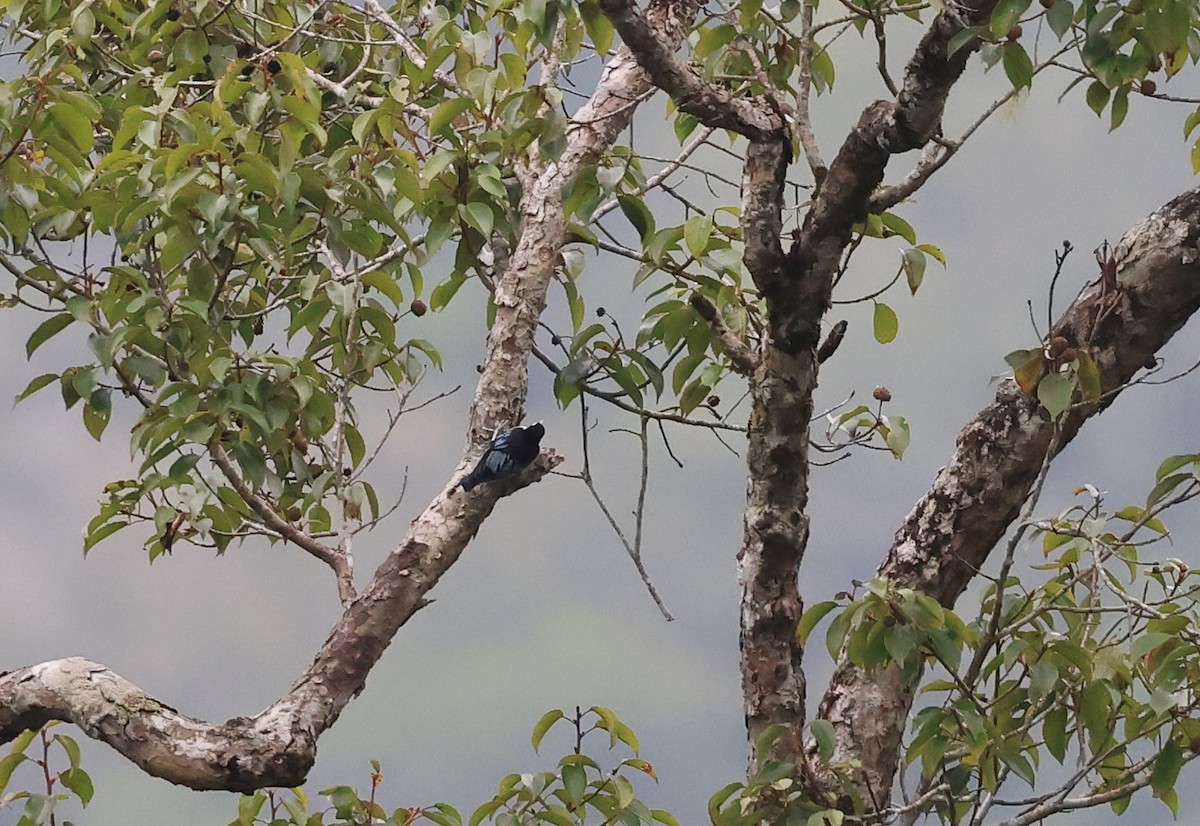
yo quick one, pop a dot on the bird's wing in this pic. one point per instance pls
(497, 460)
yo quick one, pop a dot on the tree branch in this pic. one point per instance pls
(798, 288)
(713, 105)
(948, 536)
(739, 355)
(332, 557)
(277, 747)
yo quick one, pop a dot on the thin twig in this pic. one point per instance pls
(330, 556)
(633, 549)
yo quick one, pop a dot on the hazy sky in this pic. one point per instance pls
(545, 610)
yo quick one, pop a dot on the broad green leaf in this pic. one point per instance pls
(76, 127)
(1166, 768)
(898, 435)
(1089, 376)
(898, 226)
(1017, 65)
(1059, 16)
(639, 215)
(8, 763)
(811, 618)
(1097, 96)
(823, 735)
(544, 723)
(933, 252)
(574, 783)
(696, 234)
(79, 782)
(913, 263)
(1054, 732)
(49, 328)
(1174, 463)
(71, 747)
(36, 384)
(1054, 392)
(443, 116)
(886, 323)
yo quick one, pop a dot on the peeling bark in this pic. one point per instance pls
(947, 537)
(277, 747)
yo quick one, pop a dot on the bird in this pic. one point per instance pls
(509, 452)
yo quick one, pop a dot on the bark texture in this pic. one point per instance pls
(278, 746)
(797, 287)
(948, 536)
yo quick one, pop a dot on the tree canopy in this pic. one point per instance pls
(249, 214)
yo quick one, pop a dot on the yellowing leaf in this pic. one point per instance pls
(886, 323)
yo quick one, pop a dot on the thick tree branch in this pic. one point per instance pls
(713, 105)
(798, 288)
(948, 536)
(278, 746)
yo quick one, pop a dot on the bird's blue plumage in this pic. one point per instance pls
(510, 451)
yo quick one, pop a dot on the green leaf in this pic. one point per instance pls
(479, 216)
(898, 226)
(97, 412)
(1054, 732)
(912, 261)
(1059, 16)
(1174, 463)
(485, 811)
(71, 747)
(543, 725)
(444, 292)
(639, 215)
(898, 435)
(886, 323)
(45, 331)
(79, 782)
(933, 252)
(1005, 16)
(599, 28)
(73, 125)
(8, 763)
(1120, 108)
(1089, 376)
(823, 735)
(1097, 97)
(1166, 768)
(696, 234)
(1017, 65)
(36, 385)
(443, 116)
(1054, 392)
(664, 817)
(574, 783)
(443, 814)
(718, 799)
(811, 618)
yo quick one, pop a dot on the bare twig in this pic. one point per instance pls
(634, 549)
